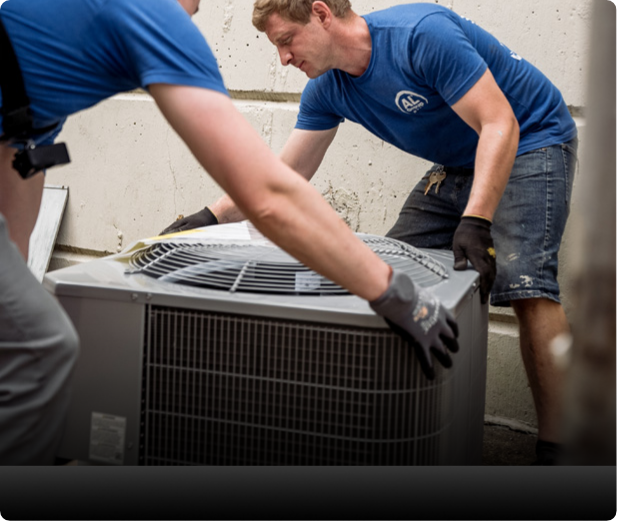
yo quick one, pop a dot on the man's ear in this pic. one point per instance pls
(322, 12)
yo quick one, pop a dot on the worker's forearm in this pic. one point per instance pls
(281, 203)
(303, 152)
(226, 210)
(305, 225)
(19, 200)
(495, 157)
(305, 149)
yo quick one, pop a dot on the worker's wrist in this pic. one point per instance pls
(214, 216)
(475, 216)
(381, 288)
(390, 274)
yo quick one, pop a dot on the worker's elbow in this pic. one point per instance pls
(515, 132)
(264, 211)
(514, 125)
(506, 127)
(271, 203)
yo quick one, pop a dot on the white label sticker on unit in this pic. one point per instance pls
(307, 281)
(107, 433)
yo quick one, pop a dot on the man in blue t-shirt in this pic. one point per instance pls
(436, 85)
(71, 54)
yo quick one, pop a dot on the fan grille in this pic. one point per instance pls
(261, 267)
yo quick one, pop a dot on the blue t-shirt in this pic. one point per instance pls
(424, 59)
(76, 53)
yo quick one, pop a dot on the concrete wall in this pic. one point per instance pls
(131, 176)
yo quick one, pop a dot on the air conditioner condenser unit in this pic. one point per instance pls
(217, 348)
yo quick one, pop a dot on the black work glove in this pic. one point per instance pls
(473, 241)
(200, 219)
(417, 316)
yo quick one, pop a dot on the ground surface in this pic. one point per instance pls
(504, 446)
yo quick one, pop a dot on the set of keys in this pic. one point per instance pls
(436, 177)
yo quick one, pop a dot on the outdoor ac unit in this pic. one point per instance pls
(218, 348)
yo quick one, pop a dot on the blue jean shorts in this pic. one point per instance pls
(527, 227)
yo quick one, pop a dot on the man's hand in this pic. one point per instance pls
(200, 219)
(417, 316)
(473, 241)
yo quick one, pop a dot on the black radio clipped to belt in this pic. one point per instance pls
(17, 118)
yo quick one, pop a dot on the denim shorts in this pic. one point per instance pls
(527, 227)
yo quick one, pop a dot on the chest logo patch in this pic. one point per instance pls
(410, 102)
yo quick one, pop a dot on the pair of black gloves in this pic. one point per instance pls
(411, 311)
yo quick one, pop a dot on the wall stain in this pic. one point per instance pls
(346, 204)
(228, 16)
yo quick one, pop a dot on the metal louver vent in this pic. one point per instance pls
(264, 268)
(238, 390)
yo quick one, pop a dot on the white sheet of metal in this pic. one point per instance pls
(43, 238)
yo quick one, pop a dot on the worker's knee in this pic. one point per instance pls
(540, 319)
(35, 370)
(40, 361)
(57, 342)
(50, 329)
(66, 342)
(533, 307)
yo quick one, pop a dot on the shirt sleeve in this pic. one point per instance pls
(314, 114)
(443, 55)
(159, 42)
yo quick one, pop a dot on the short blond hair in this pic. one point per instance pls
(298, 11)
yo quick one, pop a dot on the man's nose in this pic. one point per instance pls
(285, 56)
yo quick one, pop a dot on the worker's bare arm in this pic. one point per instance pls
(303, 152)
(485, 109)
(20, 200)
(280, 202)
(305, 149)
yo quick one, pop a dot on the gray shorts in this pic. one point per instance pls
(38, 348)
(527, 227)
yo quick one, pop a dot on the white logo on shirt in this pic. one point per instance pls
(515, 56)
(410, 102)
(512, 53)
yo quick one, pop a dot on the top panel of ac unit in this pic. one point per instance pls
(233, 267)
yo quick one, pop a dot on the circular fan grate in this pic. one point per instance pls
(265, 268)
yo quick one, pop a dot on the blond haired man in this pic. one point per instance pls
(439, 87)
